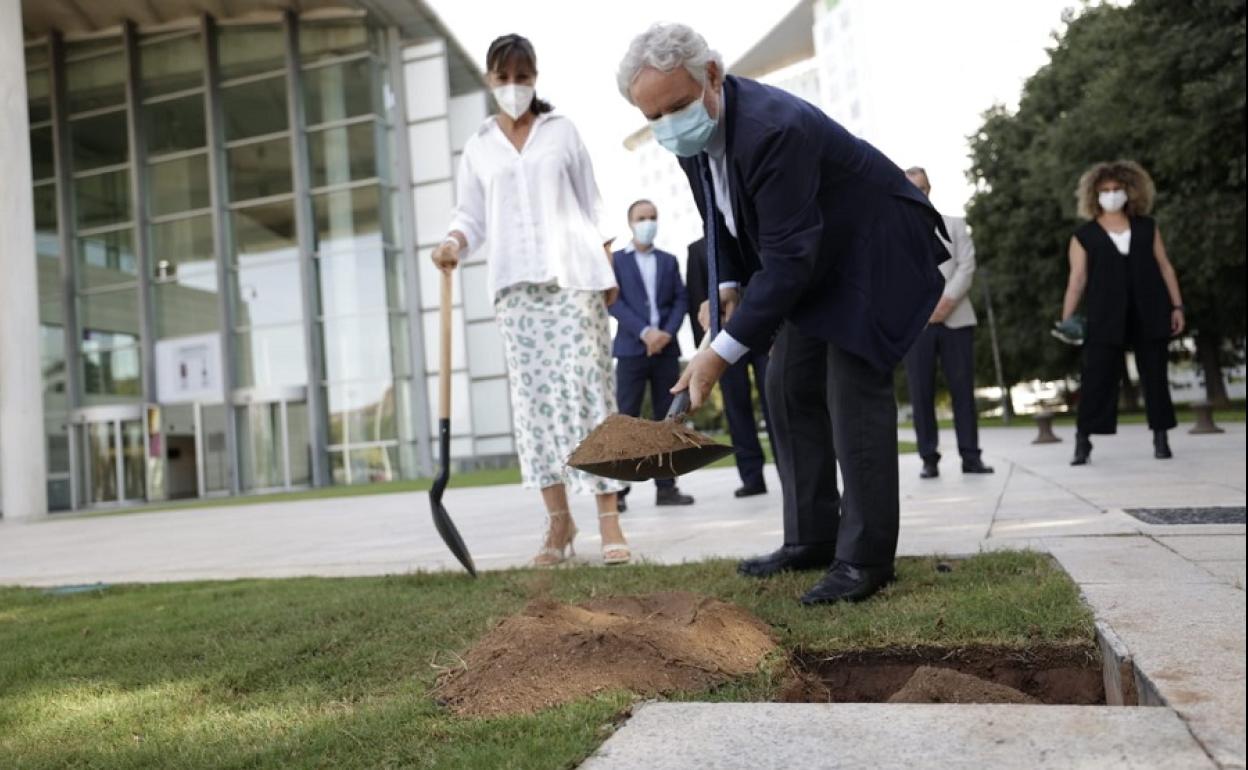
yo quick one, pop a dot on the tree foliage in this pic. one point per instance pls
(1158, 82)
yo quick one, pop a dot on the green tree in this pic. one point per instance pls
(1161, 83)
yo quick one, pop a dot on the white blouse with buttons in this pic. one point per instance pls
(536, 212)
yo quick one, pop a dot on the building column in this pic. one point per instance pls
(23, 462)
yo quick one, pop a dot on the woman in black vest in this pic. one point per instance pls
(1132, 300)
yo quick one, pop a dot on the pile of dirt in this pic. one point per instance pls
(931, 684)
(553, 653)
(621, 437)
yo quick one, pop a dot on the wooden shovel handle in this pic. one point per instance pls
(444, 368)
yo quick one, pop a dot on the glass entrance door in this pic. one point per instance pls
(272, 438)
(112, 443)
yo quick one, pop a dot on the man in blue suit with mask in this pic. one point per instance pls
(839, 251)
(650, 310)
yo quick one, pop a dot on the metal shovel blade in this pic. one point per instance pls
(667, 465)
(441, 519)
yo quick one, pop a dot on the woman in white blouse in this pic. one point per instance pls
(527, 196)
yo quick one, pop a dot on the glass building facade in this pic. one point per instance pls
(233, 220)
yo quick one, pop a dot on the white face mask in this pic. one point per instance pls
(644, 231)
(1112, 200)
(514, 99)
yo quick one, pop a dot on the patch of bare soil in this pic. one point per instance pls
(1055, 675)
(553, 653)
(944, 685)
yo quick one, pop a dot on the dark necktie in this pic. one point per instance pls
(712, 255)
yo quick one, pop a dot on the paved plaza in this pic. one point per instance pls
(1173, 594)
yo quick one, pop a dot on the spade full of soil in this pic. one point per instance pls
(631, 449)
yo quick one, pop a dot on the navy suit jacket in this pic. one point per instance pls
(830, 233)
(632, 309)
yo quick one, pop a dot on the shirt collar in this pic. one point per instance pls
(631, 248)
(490, 122)
(716, 146)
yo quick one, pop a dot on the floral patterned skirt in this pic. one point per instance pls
(558, 348)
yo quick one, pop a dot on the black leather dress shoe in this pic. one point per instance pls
(848, 583)
(671, 496)
(931, 469)
(1083, 450)
(789, 558)
(751, 491)
(1161, 445)
(976, 465)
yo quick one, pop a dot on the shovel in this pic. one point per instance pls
(441, 519)
(695, 452)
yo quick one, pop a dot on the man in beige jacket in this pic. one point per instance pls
(950, 335)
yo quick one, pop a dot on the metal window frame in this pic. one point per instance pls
(138, 202)
(222, 245)
(173, 96)
(61, 152)
(168, 157)
(317, 427)
(420, 423)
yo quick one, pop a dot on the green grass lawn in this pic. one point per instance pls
(336, 672)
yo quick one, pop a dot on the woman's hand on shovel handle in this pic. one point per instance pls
(700, 376)
(446, 255)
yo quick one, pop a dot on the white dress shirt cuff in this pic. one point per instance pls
(729, 284)
(644, 332)
(727, 348)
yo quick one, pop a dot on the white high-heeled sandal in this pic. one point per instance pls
(622, 553)
(548, 556)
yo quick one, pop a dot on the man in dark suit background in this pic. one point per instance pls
(838, 252)
(650, 310)
(735, 385)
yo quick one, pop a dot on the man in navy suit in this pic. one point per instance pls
(650, 310)
(840, 253)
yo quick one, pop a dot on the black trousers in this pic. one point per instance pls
(831, 407)
(1103, 370)
(633, 374)
(739, 409)
(956, 350)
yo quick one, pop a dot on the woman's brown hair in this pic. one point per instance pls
(508, 47)
(1133, 178)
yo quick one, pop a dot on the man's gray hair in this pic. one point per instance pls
(666, 47)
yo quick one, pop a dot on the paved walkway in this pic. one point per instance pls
(1173, 594)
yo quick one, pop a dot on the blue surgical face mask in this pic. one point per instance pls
(686, 131)
(644, 231)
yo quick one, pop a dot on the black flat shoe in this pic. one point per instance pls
(976, 466)
(789, 558)
(1083, 450)
(672, 496)
(931, 469)
(1161, 445)
(761, 489)
(846, 582)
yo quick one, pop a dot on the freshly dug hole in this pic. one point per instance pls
(553, 653)
(1048, 674)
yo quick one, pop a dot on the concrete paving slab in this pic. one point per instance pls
(1073, 525)
(672, 736)
(1124, 560)
(1206, 547)
(1230, 571)
(1187, 641)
